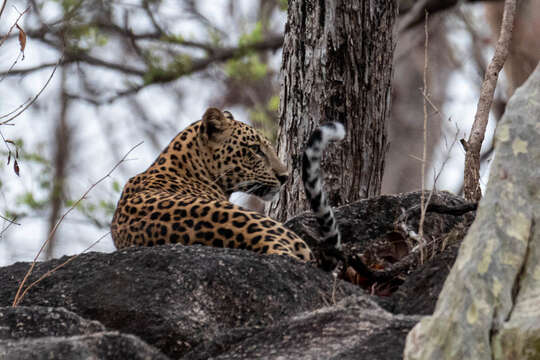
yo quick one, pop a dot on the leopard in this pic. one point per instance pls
(183, 196)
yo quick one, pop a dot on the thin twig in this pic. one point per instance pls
(5, 143)
(471, 177)
(334, 287)
(447, 158)
(424, 150)
(53, 231)
(14, 111)
(12, 65)
(28, 70)
(11, 221)
(4, 38)
(449, 148)
(52, 271)
(2, 8)
(150, 13)
(28, 104)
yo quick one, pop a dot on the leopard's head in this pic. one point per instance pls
(238, 157)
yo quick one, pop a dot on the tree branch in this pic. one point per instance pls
(218, 55)
(413, 14)
(471, 180)
(29, 102)
(2, 8)
(70, 58)
(123, 32)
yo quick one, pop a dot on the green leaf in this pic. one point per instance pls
(116, 186)
(273, 103)
(157, 72)
(28, 199)
(253, 37)
(173, 38)
(247, 68)
(108, 207)
(215, 37)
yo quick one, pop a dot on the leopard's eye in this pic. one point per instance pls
(256, 148)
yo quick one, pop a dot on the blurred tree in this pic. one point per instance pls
(524, 52)
(61, 158)
(405, 126)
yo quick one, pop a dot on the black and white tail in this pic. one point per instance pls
(312, 177)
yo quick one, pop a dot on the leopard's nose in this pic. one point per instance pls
(283, 178)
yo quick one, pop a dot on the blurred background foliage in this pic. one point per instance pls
(111, 73)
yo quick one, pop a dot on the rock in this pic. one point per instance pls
(101, 345)
(36, 332)
(363, 221)
(369, 227)
(419, 292)
(35, 321)
(198, 302)
(176, 297)
(354, 328)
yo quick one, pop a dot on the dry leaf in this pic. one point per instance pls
(10, 141)
(22, 39)
(353, 277)
(9, 157)
(16, 167)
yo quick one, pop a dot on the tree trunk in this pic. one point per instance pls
(337, 66)
(525, 46)
(403, 171)
(489, 307)
(62, 144)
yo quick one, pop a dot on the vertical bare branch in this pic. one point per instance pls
(471, 178)
(3, 7)
(424, 150)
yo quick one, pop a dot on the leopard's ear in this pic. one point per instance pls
(213, 124)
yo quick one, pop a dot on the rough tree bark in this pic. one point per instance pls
(337, 66)
(489, 307)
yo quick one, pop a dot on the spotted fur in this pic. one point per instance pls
(183, 196)
(312, 178)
